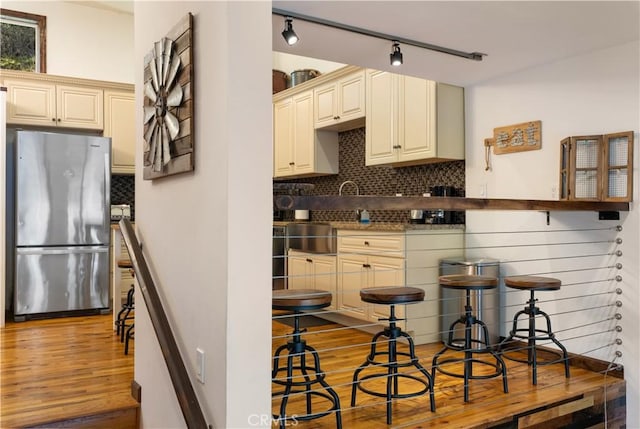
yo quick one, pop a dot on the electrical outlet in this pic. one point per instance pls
(200, 365)
(483, 190)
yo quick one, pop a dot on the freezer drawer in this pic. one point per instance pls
(61, 279)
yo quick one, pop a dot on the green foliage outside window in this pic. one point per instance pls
(17, 47)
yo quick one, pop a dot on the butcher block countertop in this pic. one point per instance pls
(383, 226)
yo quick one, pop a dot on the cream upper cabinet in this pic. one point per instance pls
(300, 150)
(119, 124)
(411, 120)
(340, 104)
(49, 104)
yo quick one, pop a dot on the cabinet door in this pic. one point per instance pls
(79, 107)
(381, 135)
(416, 119)
(303, 134)
(584, 176)
(283, 138)
(338, 102)
(299, 271)
(30, 103)
(384, 271)
(119, 124)
(326, 105)
(352, 276)
(324, 276)
(351, 97)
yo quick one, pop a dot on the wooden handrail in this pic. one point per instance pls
(177, 371)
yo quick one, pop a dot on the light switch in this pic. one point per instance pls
(200, 365)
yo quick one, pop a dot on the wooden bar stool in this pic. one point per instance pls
(531, 333)
(391, 296)
(306, 375)
(470, 346)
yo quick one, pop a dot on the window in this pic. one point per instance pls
(23, 41)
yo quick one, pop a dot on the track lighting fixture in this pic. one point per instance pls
(395, 57)
(289, 35)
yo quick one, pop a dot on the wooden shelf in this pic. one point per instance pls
(335, 202)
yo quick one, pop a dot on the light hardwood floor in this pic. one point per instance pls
(68, 368)
(343, 350)
(62, 369)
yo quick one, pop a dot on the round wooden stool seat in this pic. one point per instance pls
(124, 263)
(468, 282)
(300, 299)
(532, 283)
(392, 295)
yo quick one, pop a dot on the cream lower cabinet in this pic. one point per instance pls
(119, 124)
(357, 272)
(312, 271)
(53, 105)
(411, 120)
(300, 150)
(405, 258)
(368, 259)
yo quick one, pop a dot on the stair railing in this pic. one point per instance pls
(187, 398)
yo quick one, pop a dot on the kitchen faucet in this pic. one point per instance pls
(357, 193)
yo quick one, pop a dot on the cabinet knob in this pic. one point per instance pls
(58, 119)
(309, 260)
(53, 119)
(396, 146)
(366, 265)
(366, 243)
(336, 117)
(292, 163)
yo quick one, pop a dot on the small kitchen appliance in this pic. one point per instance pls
(120, 211)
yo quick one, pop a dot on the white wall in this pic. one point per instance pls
(83, 41)
(207, 234)
(595, 93)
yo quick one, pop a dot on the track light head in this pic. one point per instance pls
(395, 57)
(289, 35)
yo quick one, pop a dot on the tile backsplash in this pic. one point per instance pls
(123, 191)
(378, 180)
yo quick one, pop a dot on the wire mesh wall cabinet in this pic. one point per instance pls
(597, 168)
(584, 254)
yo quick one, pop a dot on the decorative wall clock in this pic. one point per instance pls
(168, 104)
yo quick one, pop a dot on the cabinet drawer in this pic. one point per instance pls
(380, 243)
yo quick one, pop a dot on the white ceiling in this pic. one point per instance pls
(515, 35)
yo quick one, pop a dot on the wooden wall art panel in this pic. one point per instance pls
(518, 137)
(168, 103)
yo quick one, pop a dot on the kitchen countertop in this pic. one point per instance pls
(383, 226)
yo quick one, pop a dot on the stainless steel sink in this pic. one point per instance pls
(312, 237)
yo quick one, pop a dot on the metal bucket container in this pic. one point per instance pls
(299, 76)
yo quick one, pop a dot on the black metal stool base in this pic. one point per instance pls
(297, 368)
(470, 347)
(392, 365)
(532, 335)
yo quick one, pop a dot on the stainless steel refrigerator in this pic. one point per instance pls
(62, 222)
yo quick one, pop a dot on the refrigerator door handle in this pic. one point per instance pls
(60, 250)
